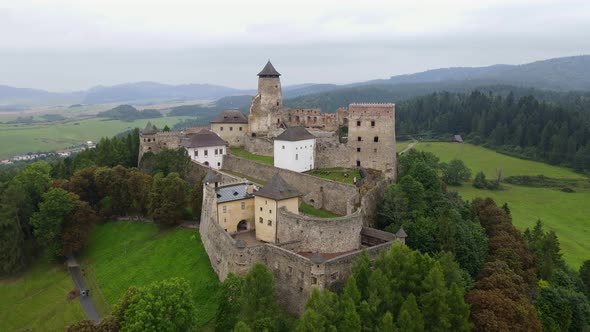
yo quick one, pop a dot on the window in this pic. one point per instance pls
(283, 147)
(196, 153)
(375, 150)
(358, 163)
(225, 209)
(372, 123)
(216, 152)
(290, 270)
(220, 128)
(220, 151)
(359, 139)
(243, 205)
(334, 276)
(301, 275)
(314, 280)
(269, 222)
(269, 211)
(358, 149)
(261, 209)
(376, 139)
(218, 164)
(296, 157)
(231, 128)
(358, 123)
(240, 128)
(260, 221)
(206, 153)
(277, 103)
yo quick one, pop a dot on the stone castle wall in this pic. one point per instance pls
(334, 196)
(325, 235)
(259, 145)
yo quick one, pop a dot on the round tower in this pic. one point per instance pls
(268, 100)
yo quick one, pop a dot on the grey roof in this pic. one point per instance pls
(294, 134)
(230, 116)
(317, 258)
(149, 129)
(278, 189)
(401, 232)
(269, 70)
(203, 138)
(211, 177)
(234, 192)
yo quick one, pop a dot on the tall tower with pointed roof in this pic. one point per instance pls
(269, 99)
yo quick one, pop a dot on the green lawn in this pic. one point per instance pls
(310, 210)
(400, 145)
(242, 153)
(124, 254)
(21, 139)
(336, 174)
(482, 159)
(565, 213)
(36, 301)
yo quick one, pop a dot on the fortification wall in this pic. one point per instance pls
(331, 153)
(371, 200)
(324, 235)
(292, 274)
(259, 145)
(334, 195)
(339, 268)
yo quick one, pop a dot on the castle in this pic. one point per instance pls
(259, 220)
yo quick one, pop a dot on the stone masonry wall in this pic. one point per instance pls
(335, 194)
(324, 235)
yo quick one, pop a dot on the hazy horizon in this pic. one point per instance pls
(68, 46)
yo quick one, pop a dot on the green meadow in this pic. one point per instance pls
(20, 139)
(36, 300)
(565, 213)
(124, 254)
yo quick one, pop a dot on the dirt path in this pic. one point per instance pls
(85, 301)
(409, 147)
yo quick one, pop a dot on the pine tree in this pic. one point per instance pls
(459, 310)
(387, 323)
(410, 318)
(433, 302)
(350, 321)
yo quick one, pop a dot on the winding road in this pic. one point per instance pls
(85, 301)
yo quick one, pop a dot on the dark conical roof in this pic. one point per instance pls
(211, 177)
(317, 258)
(149, 129)
(401, 232)
(278, 189)
(294, 134)
(269, 70)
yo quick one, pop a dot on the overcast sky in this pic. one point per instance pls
(62, 45)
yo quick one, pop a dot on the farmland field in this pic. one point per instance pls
(23, 138)
(565, 213)
(124, 254)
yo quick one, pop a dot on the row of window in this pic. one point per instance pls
(359, 150)
(314, 280)
(269, 211)
(260, 221)
(297, 148)
(358, 123)
(225, 207)
(206, 152)
(375, 139)
(230, 128)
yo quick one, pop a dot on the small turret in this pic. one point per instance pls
(211, 178)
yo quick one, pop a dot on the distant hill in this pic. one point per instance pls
(568, 73)
(559, 74)
(129, 113)
(150, 91)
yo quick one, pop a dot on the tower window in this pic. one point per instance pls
(240, 128)
(358, 149)
(260, 220)
(269, 222)
(277, 103)
(358, 123)
(359, 139)
(376, 139)
(372, 123)
(358, 163)
(220, 128)
(231, 128)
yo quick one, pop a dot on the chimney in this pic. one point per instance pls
(249, 188)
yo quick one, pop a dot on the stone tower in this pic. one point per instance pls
(268, 100)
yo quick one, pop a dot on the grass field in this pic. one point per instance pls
(36, 301)
(20, 139)
(565, 213)
(242, 153)
(482, 159)
(124, 254)
(310, 210)
(336, 174)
